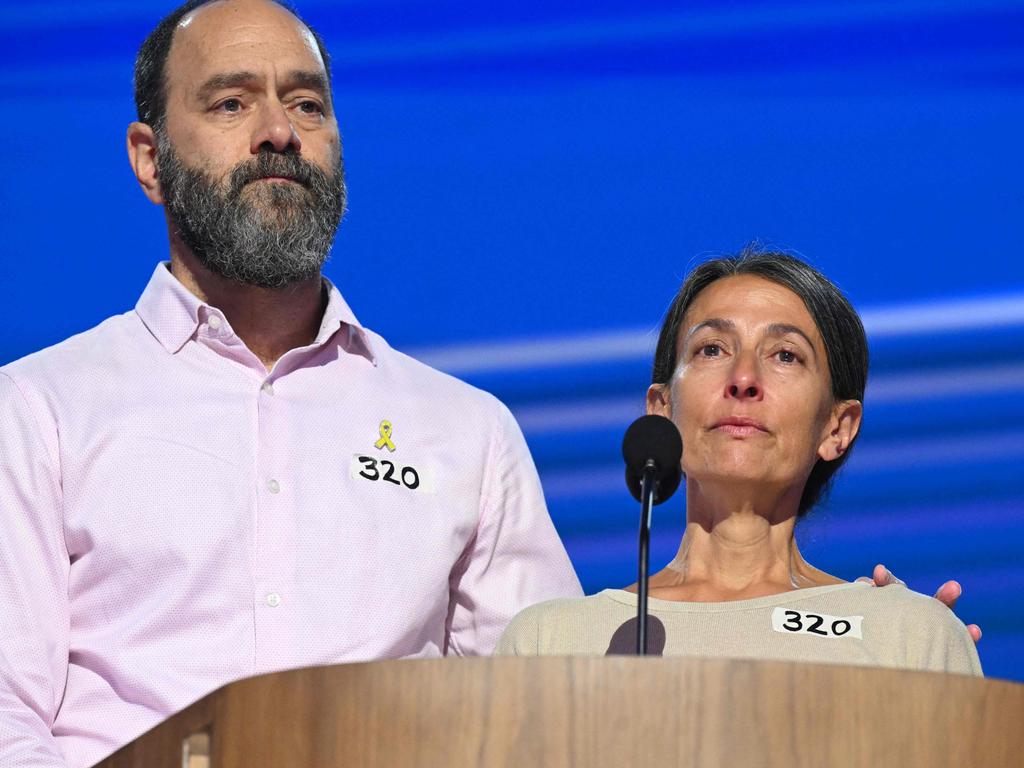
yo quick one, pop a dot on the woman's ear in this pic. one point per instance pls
(843, 426)
(659, 400)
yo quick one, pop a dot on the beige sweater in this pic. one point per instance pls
(840, 624)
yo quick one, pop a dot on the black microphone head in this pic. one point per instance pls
(653, 438)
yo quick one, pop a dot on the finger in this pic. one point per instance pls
(883, 577)
(949, 593)
(879, 577)
(975, 632)
(888, 578)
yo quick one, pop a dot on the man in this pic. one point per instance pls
(236, 477)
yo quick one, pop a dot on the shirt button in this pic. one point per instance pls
(273, 599)
(268, 388)
(273, 486)
(213, 322)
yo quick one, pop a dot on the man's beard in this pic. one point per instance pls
(267, 234)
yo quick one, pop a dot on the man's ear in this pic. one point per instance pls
(142, 156)
(659, 400)
(843, 426)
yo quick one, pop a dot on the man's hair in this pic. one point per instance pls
(151, 62)
(841, 330)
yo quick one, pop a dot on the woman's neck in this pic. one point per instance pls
(737, 546)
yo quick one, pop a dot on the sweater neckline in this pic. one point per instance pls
(678, 606)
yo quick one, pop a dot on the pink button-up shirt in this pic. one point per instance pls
(173, 517)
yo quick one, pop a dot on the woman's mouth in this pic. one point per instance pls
(739, 426)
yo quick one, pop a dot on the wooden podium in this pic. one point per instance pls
(616, 711)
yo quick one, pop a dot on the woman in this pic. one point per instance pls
(762, 365)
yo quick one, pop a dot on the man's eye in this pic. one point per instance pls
(230, 105)
(310, 108)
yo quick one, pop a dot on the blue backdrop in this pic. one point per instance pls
(528, 185)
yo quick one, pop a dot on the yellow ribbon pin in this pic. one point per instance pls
(385, 436)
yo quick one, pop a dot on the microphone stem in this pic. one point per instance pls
(647, 488)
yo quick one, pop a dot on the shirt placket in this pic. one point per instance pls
(275, 601)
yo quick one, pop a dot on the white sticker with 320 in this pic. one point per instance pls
(791, 622)
(388, 472)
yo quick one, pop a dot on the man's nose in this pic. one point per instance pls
(275, 130)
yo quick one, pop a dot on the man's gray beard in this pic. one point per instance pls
(267, 234)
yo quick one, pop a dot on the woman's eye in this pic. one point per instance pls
(710, 350)
(787, 356)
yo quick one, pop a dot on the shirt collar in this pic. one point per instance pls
(172, 313)
(338, 316)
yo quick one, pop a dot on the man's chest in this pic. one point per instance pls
(267, 490)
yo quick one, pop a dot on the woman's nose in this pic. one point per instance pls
(744, 381)
(744, 392)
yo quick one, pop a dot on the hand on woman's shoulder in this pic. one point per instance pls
(931, 635)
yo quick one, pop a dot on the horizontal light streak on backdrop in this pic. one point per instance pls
(514, 36)
(911, 449)
(885, 388)
(904, 525)
(638, 344)
(889, 456)
(848, 542)
(364, 52)
(513, 32)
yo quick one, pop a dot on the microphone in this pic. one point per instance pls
(652, 449)
(653, 439)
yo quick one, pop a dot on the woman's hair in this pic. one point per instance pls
(838, 323)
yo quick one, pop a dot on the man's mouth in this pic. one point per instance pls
(278, 180)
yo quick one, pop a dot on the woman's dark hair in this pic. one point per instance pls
(151, 61)
(846, 344)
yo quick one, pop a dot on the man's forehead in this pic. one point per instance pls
(219, 11)
(236, 34)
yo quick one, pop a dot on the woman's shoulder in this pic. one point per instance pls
(563, 609)
(896, 604)
(539, 628)
(900, 600)
(928, 631)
